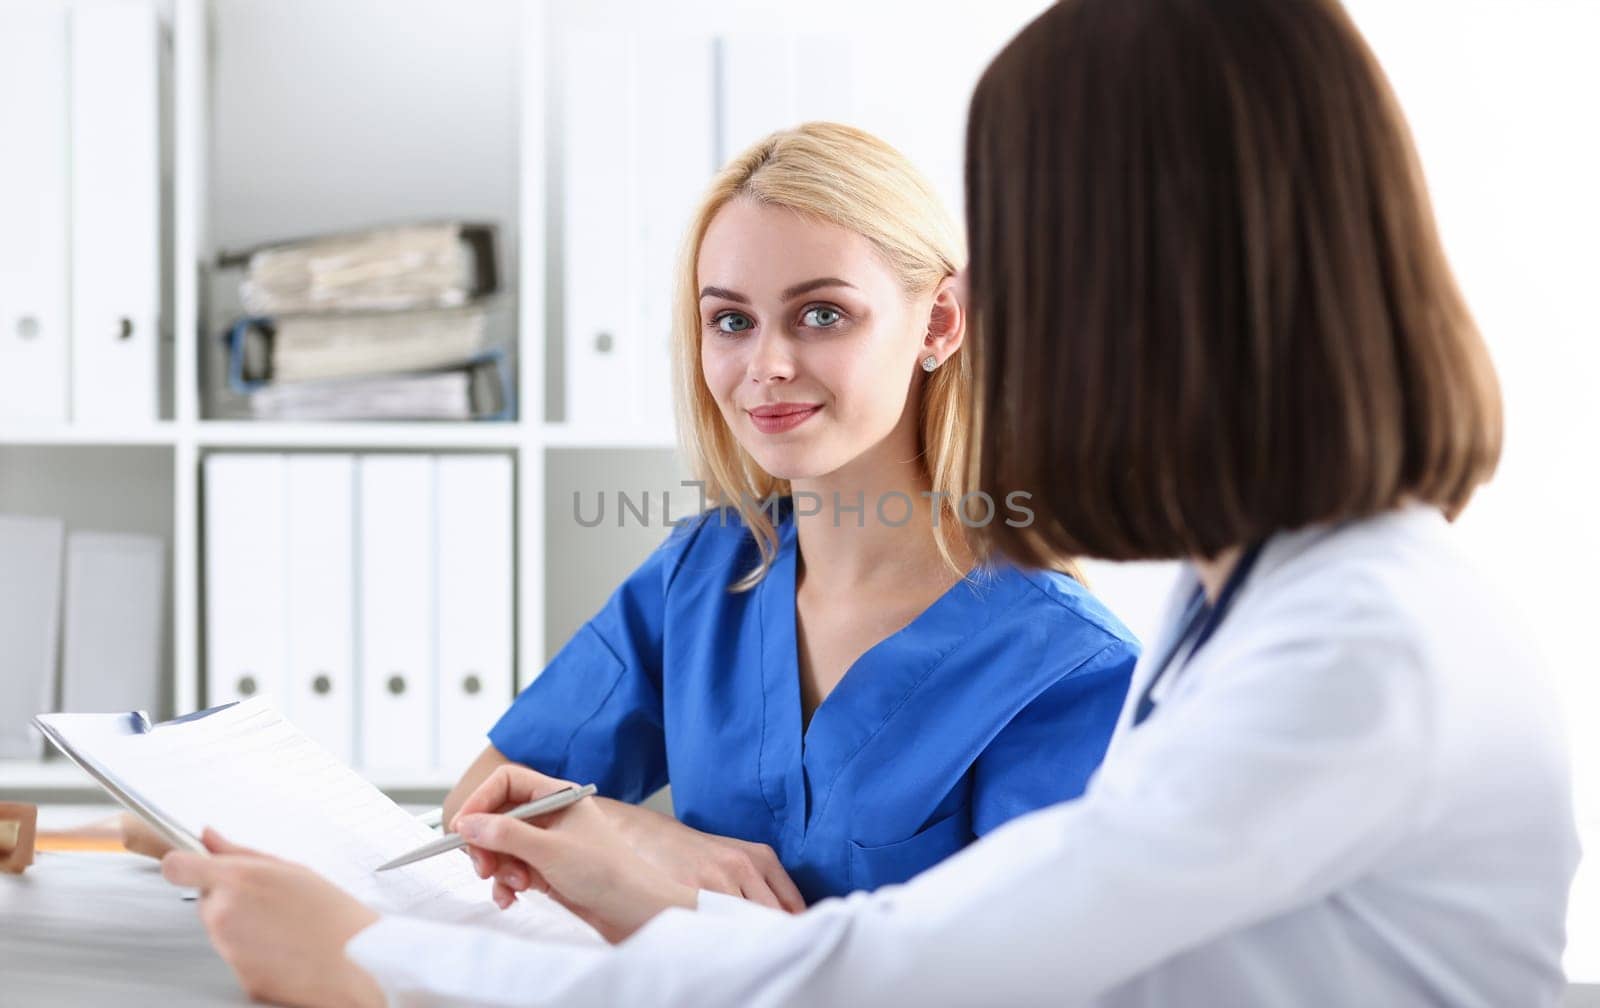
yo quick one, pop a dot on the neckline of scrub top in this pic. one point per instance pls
(798, 769)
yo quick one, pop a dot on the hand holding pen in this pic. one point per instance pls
(553, 802)
(576, 855)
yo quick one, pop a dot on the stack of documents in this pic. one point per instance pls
(299, 348)
(465, 393)
(385, 269)
(391, 323)
(246, 772)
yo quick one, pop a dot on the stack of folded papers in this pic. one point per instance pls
(386, 324)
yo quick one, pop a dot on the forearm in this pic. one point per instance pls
(701, 860)
(427, 963)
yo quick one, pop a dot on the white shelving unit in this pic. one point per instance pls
(188, 436)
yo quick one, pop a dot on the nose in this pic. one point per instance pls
(771, 360)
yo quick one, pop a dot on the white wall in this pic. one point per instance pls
(1504, 101)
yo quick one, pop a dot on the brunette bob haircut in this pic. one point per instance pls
(1209, 298)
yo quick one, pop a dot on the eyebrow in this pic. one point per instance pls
(793, 292)
(724, 293)
(811, 285)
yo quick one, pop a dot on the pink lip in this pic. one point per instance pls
(775, 418)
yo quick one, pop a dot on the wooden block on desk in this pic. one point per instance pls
(17, 825)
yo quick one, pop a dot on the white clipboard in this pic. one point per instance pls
(70, 732)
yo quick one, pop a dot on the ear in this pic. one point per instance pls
(947, 321)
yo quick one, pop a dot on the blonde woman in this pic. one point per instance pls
(840, 694)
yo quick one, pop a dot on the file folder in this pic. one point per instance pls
(30, 606)
(475, 558)
(33, 213)
(675, 135)
(320, 574)
(398, 706)
(245, 547)
(772, 81)
(822, 71)
(482, 390)
(115, 210)
(392, 267)
(299, 348)
(756, 96)
(640, 147)
(598, 265)
(112, 622)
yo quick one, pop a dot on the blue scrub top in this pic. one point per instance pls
(998, 699)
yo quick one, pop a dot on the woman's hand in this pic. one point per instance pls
(705, 860)
(140, 837)
(281, 926)
(577, 855)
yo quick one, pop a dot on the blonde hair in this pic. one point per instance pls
(847, 177)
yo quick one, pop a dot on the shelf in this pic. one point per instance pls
(563, 436)
(161, 433)
(231, 433)
(426, 780)
(55, 775)
(149, 477)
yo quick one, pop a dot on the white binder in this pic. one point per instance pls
(111, 634)
(597, 156)
(115, 205)
(756, 74)
(33, 213)
(639, 147)
(30, 606)
(823, 79)
(245, 574)
(772, 81)
(675, 102)
(321, 599)
(474, 578)
(398, 709)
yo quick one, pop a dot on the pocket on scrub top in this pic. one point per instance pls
(877, 865)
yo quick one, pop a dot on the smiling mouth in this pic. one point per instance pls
(780, 417)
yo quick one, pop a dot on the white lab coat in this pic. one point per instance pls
(1357, 793)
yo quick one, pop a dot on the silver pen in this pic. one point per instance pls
(553, 802)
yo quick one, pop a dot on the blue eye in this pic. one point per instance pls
(821, 316)
(732, 322)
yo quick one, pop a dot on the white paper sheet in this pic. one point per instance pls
(258, 780)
